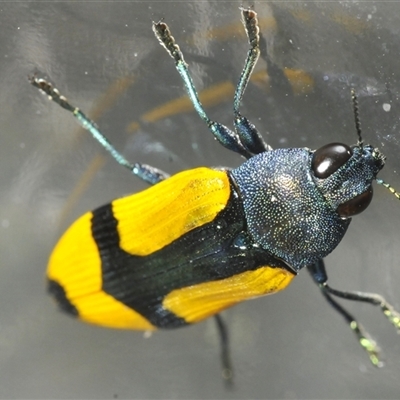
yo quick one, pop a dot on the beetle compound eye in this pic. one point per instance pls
(329, 158)
(356, 205)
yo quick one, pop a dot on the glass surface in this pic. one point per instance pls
(104, 57)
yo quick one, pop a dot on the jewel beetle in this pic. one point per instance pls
(205, 239)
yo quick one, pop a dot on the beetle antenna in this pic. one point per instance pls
(388, 187)
(356, 117)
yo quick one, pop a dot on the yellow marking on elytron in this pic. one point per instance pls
(75, 264)
(154, 218)
(197, 302)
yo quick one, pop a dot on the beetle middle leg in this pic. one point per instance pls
(145, 172)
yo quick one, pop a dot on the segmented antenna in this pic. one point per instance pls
(360, 141)
(388, 187)
(356, 117)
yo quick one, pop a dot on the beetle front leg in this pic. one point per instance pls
(248, 133)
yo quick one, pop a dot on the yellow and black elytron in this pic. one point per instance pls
(205, 239)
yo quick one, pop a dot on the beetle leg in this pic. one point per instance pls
(247, 132)
(320, 277)
(227, 371)
(145, 172)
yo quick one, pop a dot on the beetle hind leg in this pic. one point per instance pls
(227, 371)
(320, 277)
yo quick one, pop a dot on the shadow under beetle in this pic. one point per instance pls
(205, 239)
